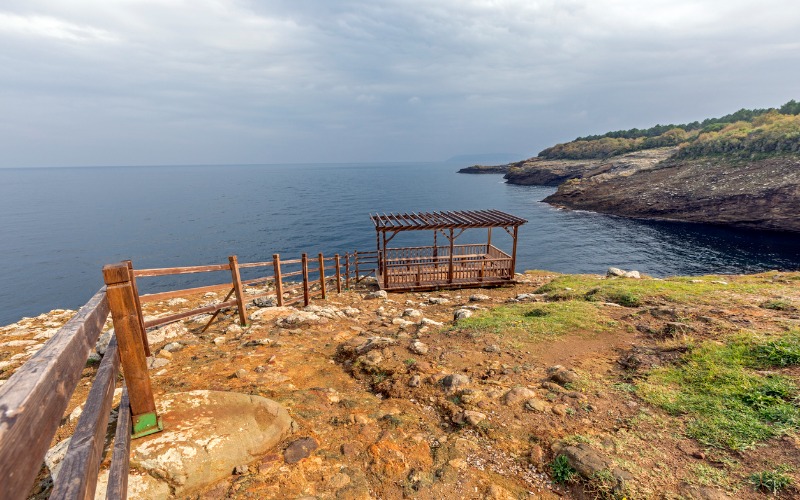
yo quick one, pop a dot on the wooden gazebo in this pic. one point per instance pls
(450, 266)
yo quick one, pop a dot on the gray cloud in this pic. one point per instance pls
(212, 81)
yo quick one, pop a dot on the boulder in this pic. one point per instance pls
(478, 297)
(206, 435)
(297, 319)
(103, 341)
(166, 332)
(454, 381)
(377, 294)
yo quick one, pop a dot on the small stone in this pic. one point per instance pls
(412, 313)
(268, 301)
(378, 294)
(76, 414)
(559, 409)
(438, 300)
(258, 342)
(491, 348)
(299, 449)
(173, 347)
(351, 312)
(178, 301)
(348, 449)
(454, 381)
(478, 297)
(240, 373)
(562, 376)
(338, 481)
(418, 347)
(414, 381)
(241, 469)
(429, 322)
(462, 314)
(154, 363)
(164, 354)
(219, 340)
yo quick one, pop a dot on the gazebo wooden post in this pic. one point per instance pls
(435, 252)
(489, 241)
(514, 254)
(385, 265)
(452, 248)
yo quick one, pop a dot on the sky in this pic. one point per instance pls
(158, 82)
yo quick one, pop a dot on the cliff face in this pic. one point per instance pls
(762, 194)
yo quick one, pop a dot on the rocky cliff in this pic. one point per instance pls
(761, 194)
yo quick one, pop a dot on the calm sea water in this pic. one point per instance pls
(59, 226)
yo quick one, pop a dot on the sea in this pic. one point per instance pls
(59, 226)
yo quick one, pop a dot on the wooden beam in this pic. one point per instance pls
(167, 271)
(188, 314)
(120, 456)
(33, 399)
(153, 297)
(126, 325)
(216, 313)
(78, 475)
(322, 275)
(338, 273)
(145, 341)
(237, 287)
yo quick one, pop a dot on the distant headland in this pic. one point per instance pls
(742, 169)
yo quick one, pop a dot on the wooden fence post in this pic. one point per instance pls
(306, 298)
(347, 270)
(355, 261)
(322, 276)
(276, 265)
(122, 303)
(237, 287)
(145, 341)
(338, 274)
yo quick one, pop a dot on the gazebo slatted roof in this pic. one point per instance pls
(420, 221)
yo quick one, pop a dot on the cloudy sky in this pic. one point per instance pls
(151, 82)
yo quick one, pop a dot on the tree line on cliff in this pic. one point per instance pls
(745, 133)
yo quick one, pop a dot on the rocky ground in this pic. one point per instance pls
(546, 389)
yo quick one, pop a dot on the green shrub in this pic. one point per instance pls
(561, 471)
(772, 481)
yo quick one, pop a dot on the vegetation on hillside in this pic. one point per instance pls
(743, 133)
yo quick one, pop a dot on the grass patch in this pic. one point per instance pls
(637, 292)
(731, 405)
(539, 320)
(778, 305)
(771, 481)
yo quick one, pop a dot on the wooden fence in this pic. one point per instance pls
(33, 400)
